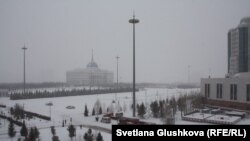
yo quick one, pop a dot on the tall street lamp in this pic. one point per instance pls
(133, 21)
(188, 73)
(24, 80)
(117, 57)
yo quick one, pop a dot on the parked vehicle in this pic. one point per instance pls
(106, 120)
(70, 107)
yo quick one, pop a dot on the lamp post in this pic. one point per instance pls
(24, 80)
(133, 21)
(117, 57)
(188, 73)
(50, 110)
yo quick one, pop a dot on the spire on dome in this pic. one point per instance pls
(92, 64)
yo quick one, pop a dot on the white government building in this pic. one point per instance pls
(90, 76)
(234, 90)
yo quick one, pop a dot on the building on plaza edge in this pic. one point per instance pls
(233, 90)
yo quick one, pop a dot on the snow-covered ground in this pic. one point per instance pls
(59, 112)
(212, 118)
(199, 115)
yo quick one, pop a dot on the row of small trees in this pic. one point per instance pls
(99, 109)
(166, 109)
(157, 108)
(32, 135)
(88, 136)
(86, 111)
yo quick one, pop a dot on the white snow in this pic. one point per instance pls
(199, 115)
(212, 118)
(224, 119)
(59, 112)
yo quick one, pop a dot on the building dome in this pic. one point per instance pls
(92, 64)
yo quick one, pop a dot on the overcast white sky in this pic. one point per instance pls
(171, 35)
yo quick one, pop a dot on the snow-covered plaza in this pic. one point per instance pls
(59, 112)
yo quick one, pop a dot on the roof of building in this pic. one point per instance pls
(245, 20)
(242, 75)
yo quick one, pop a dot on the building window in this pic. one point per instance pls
(207, 90)
(248, 92)
(219, 91)
(233, 92)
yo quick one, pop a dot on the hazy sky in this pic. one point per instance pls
(171, 35)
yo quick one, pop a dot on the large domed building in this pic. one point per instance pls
(90, 76)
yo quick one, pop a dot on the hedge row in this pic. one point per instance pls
(18, 123)
(36, 115)
(2, 106)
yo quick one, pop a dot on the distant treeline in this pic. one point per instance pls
(13, 86)
(162, 85)
(63, 93)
